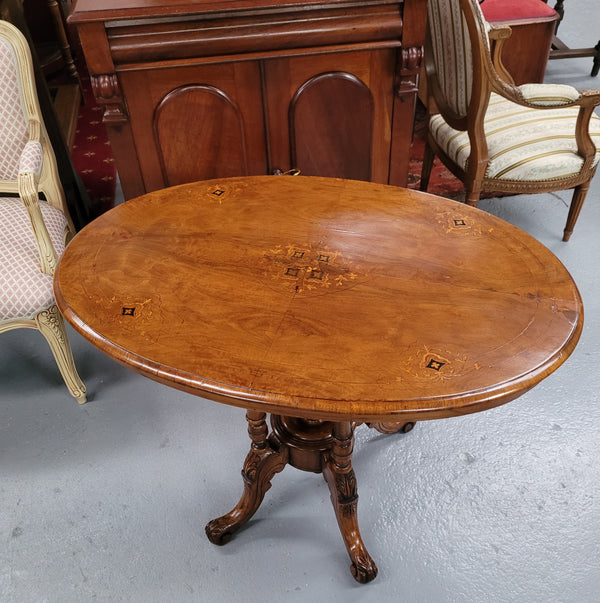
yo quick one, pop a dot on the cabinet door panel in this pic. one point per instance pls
(326, 137)
(195, 123)
(209, 118)
(337, 111)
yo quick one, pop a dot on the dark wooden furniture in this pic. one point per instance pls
(532, 23)
(205, 89)
(47, 27)
(46, 24)
(325, 302)
(560, 50)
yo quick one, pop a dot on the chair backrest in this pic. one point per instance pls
(456, 42)
(14, 114)
(21, 117)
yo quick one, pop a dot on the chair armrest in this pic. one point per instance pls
(549, 95)
(31, 158)
(546, 96)
(30, 167)
(557, 96)
(498, 32)
(497, 35)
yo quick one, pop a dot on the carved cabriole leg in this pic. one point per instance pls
(339, 475)
(262, 463)
(51, 324)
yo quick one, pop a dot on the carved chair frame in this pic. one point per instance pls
(28, 186)
(490, 75)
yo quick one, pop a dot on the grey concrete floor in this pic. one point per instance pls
(108, 501)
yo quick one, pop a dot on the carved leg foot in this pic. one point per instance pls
(261, 464)
(399, 427)
(339, 475)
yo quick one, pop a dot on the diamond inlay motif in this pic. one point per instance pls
(306, 268)
(436, 365)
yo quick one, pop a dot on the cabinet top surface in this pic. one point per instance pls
(321, 298)
(104, 10)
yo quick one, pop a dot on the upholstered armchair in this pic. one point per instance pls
(33, 232)
(493, 135)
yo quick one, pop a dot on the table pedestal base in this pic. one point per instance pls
(311, 445)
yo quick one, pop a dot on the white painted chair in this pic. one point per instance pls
(33, 231)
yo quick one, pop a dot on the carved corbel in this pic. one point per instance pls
(409, 68)
(108, 94)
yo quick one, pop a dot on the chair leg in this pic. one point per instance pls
(473, 183)
(472, 194)
(579, 195)
(472, 198)
(52, 326)
(596, 64)
(428, 157)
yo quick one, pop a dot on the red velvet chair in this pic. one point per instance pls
(533, 23)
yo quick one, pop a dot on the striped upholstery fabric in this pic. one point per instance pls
(547, 95)
(523, 144)
(451, 52)
(24, 289)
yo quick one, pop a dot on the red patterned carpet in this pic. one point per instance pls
(91, 153)
(442, 181)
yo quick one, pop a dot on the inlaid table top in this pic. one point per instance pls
(321, 298)
(327, 303)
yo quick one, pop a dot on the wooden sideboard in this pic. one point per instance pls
(204, 89)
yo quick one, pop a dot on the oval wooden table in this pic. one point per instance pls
(327, 303)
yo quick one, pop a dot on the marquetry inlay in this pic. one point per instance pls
(223, 192)
(309, 268)
(458, 224)
(435, 364)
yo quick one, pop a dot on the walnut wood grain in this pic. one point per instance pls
(322, 298)
(325, 302)
(217, 89)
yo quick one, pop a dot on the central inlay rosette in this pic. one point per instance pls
(306, 268)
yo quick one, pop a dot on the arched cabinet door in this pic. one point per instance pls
(336, 111)
(199, 132)
(331, 126)
(197, 123)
